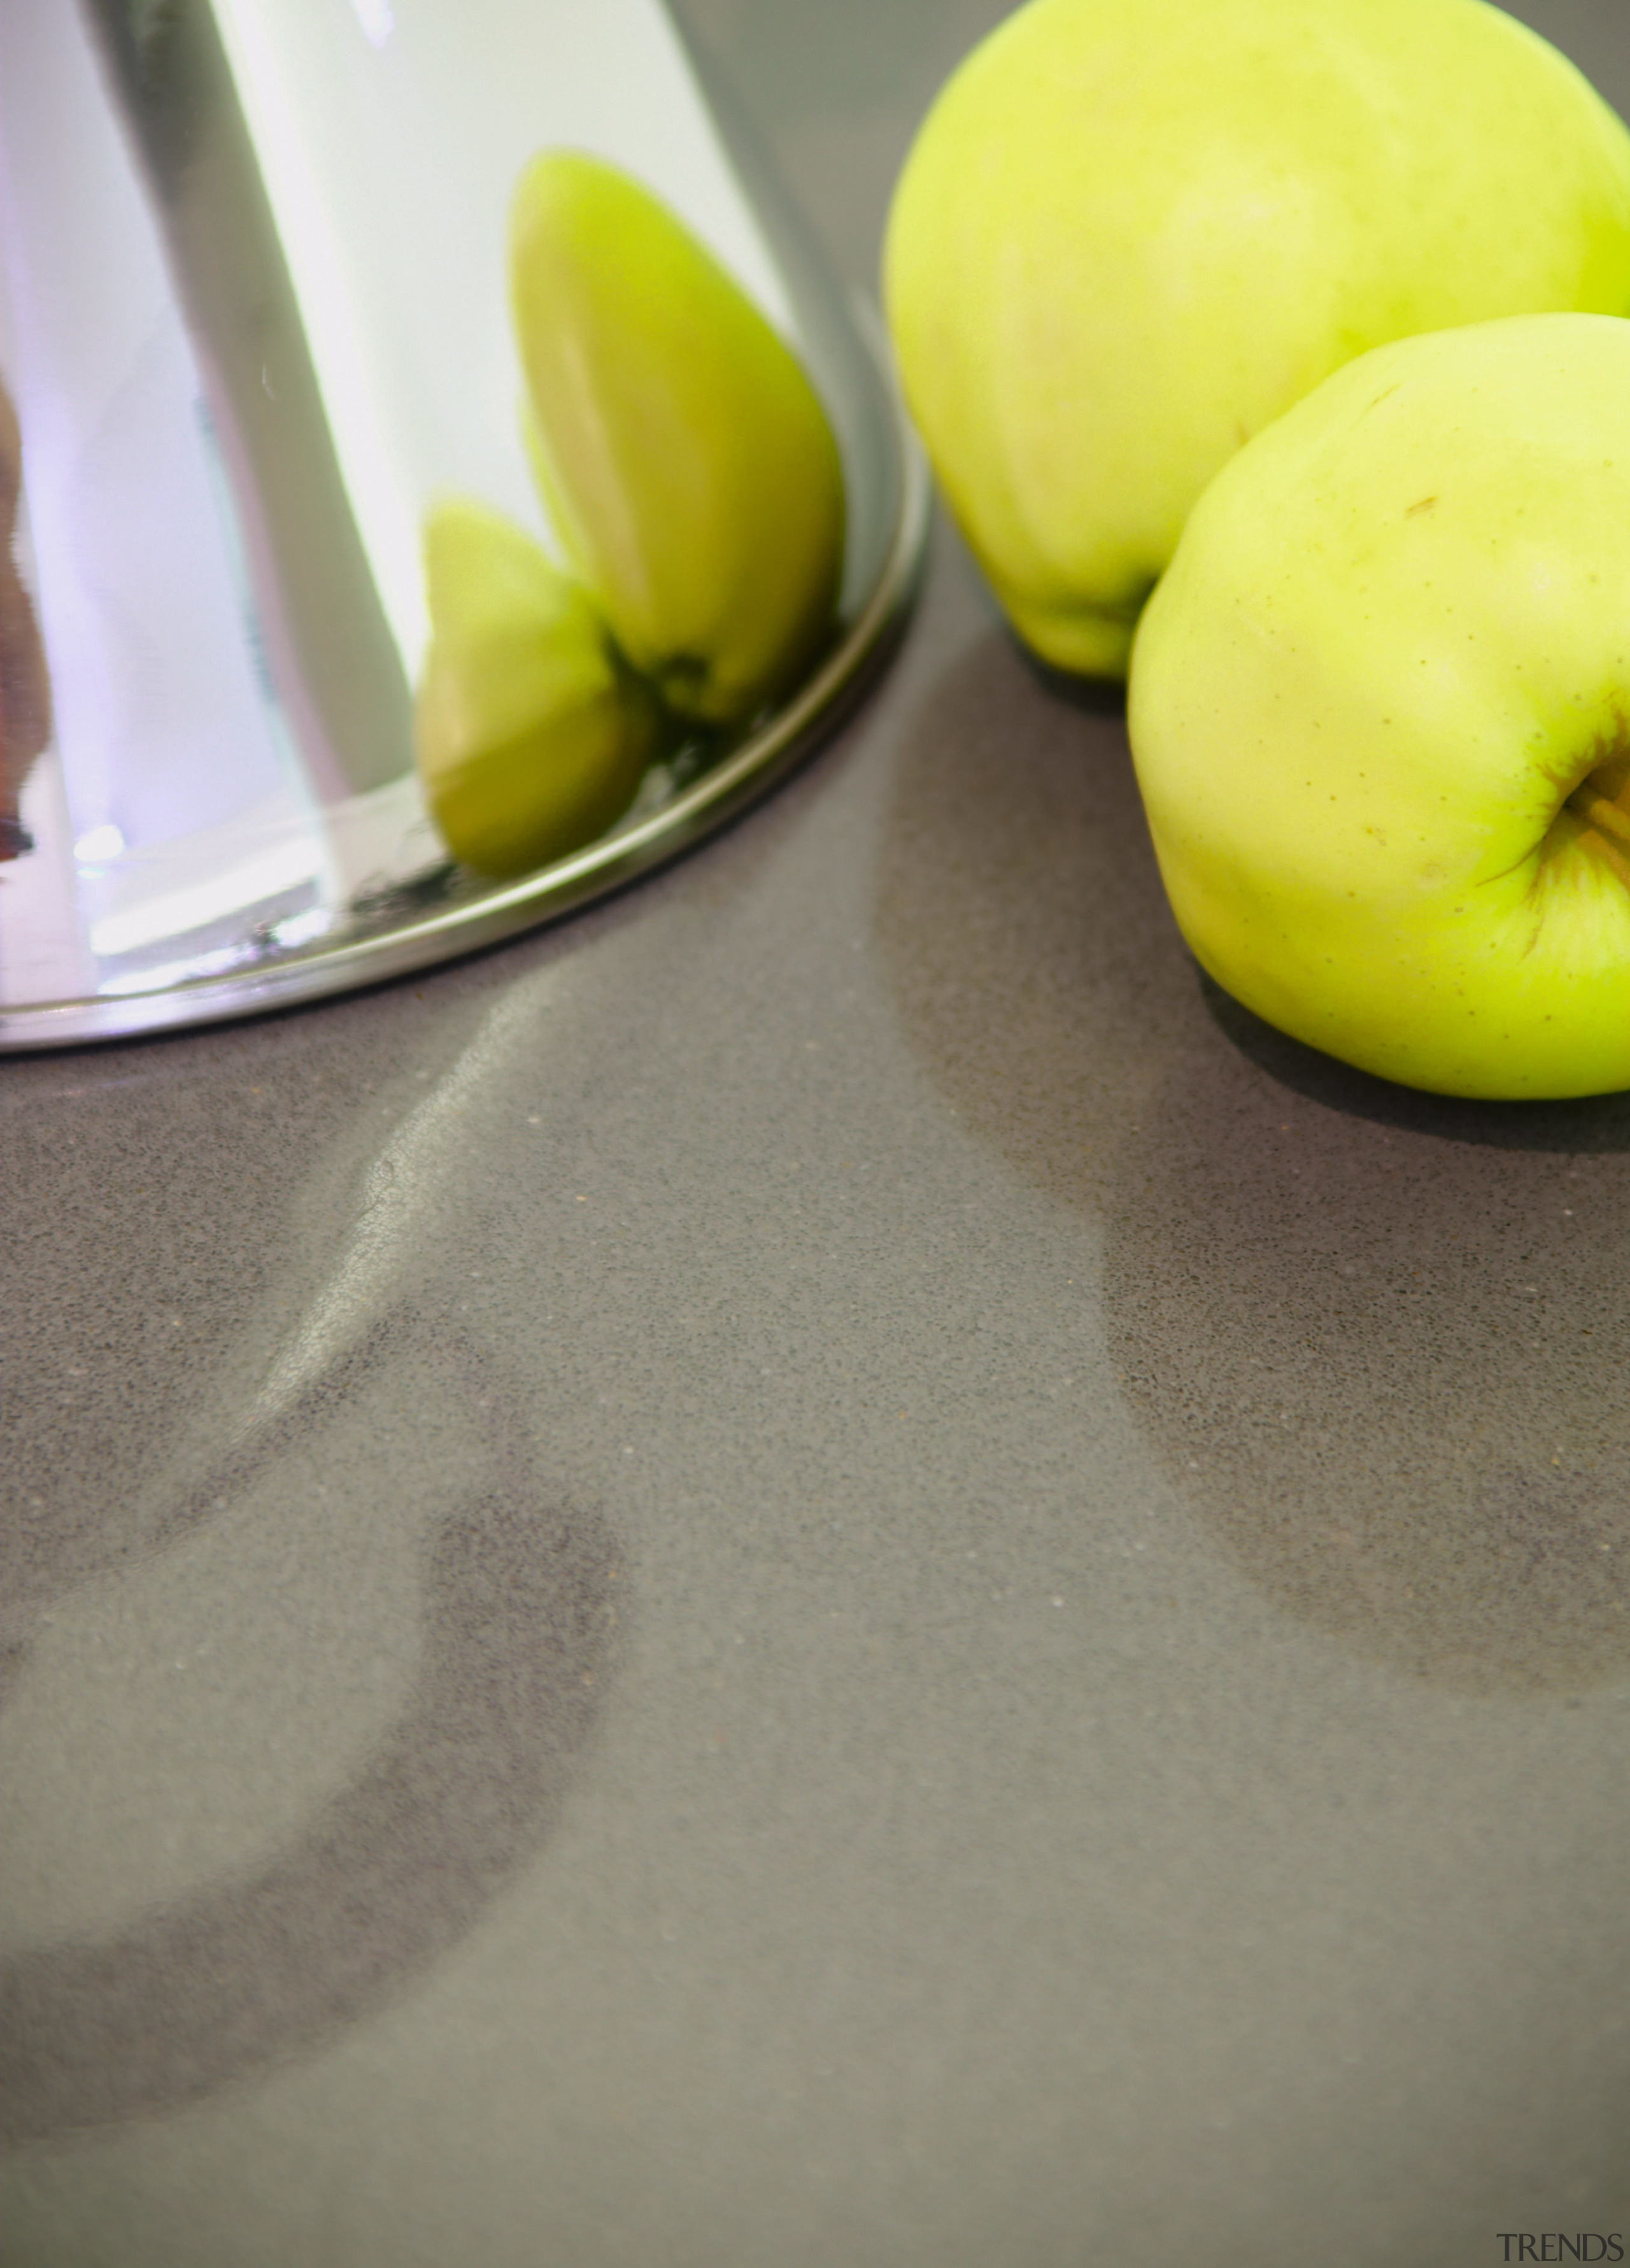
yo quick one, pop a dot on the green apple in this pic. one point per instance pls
(1380, 709)
(532, 733)
(685, 459)
(1132, 232)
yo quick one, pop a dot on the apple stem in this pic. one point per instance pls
(1608, 826)
(1595, 809)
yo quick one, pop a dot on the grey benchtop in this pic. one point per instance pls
(821, 1569)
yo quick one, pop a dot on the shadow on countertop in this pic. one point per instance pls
(158, 1256)
(1372, 1337)
(393, 1870)
(1019, 917)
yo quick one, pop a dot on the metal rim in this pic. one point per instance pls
(609, 865)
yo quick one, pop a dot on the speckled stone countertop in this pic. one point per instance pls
(822, 1569)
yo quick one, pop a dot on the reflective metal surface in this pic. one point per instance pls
(252, 321)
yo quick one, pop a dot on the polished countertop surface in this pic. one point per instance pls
(821, 1567)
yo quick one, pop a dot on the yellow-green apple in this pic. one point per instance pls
(684, 458)
(1132, 233)
(532, 733)
(1380, 709)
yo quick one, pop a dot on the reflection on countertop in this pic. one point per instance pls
(177, 1429)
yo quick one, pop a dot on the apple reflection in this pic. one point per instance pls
(693, 486)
